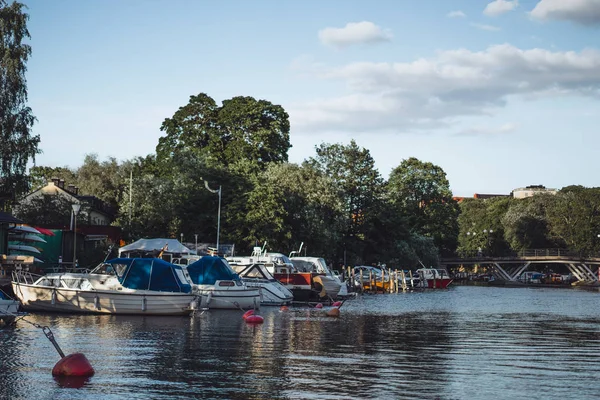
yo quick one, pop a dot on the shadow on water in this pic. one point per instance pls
(466, 343)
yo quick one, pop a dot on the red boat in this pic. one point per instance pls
(434, 278)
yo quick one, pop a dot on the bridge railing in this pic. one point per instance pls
(552, 252)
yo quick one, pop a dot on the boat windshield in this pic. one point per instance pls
(107, 269)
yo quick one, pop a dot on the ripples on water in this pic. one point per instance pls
(463, 343)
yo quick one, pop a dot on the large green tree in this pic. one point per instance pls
(526, 224)
(17, 144)
(242, 128)
(360, 187)
(291, 204)
(421, 192)
(574, 218)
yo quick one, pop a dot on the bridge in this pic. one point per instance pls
(509, 268)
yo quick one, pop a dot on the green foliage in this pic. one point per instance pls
(477, 218)
(421, 193)
(526, 224)
(360, 187)
(292, 204)
(574, 218)
(17, 145)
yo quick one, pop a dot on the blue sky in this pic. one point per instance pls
(500, 94)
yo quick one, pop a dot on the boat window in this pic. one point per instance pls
(54, 282)
(181, 276)
(104, 269)
(72, 283)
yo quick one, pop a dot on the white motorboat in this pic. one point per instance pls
(272, 292)
(218, 285)
(147, 286)
(334, 287)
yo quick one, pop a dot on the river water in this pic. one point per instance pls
(467, 342)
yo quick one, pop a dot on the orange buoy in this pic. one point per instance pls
(284, 308)
(337, 304)
(247, 314)
(254, 319)
(334, 312)
(73, 365)
(319, 305)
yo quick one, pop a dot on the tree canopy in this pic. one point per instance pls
(17, 143)
(242, 128)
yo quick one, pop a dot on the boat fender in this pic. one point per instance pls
(319, 305)
(284, 308)
(53, 296)
(334, 312)
(97, 302)
(337, 304)
(247, 314)
(144, 303)
(254, 319)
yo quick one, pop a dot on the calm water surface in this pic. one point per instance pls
(464, 343)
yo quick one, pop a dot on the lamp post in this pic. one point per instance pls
(76, 207)
(181, 236)
(219, 212)
(196, 242)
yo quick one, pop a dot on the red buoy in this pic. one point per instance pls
(337, 304)
(254, 319)
(73, 365)
(319, 305)
(247, 314)
(284, 308)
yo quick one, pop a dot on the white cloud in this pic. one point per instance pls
(354, 33)
(456, 14)
(485, 27)
(436, 92)
(486, 131)
(498, 7)
(585, 12)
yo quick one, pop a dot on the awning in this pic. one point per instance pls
(6, 218)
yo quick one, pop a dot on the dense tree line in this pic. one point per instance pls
(336, 202)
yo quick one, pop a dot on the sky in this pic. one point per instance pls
(500, 94)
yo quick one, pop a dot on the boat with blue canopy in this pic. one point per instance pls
(148, 286)
(218, 284)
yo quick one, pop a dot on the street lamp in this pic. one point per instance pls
(196, 242)
(181, 236)
(219, 212)
(76, 208)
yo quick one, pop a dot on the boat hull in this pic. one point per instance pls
(271, 293)
(439, 283)
(234, 297)
(44, 298)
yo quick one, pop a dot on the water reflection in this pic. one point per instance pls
(462, 343)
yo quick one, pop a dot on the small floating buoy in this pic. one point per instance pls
(319, 305)
(337, 304)
(254, 319)
(247, 314)
(334, 312)
(284, 308)
(75, 364)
